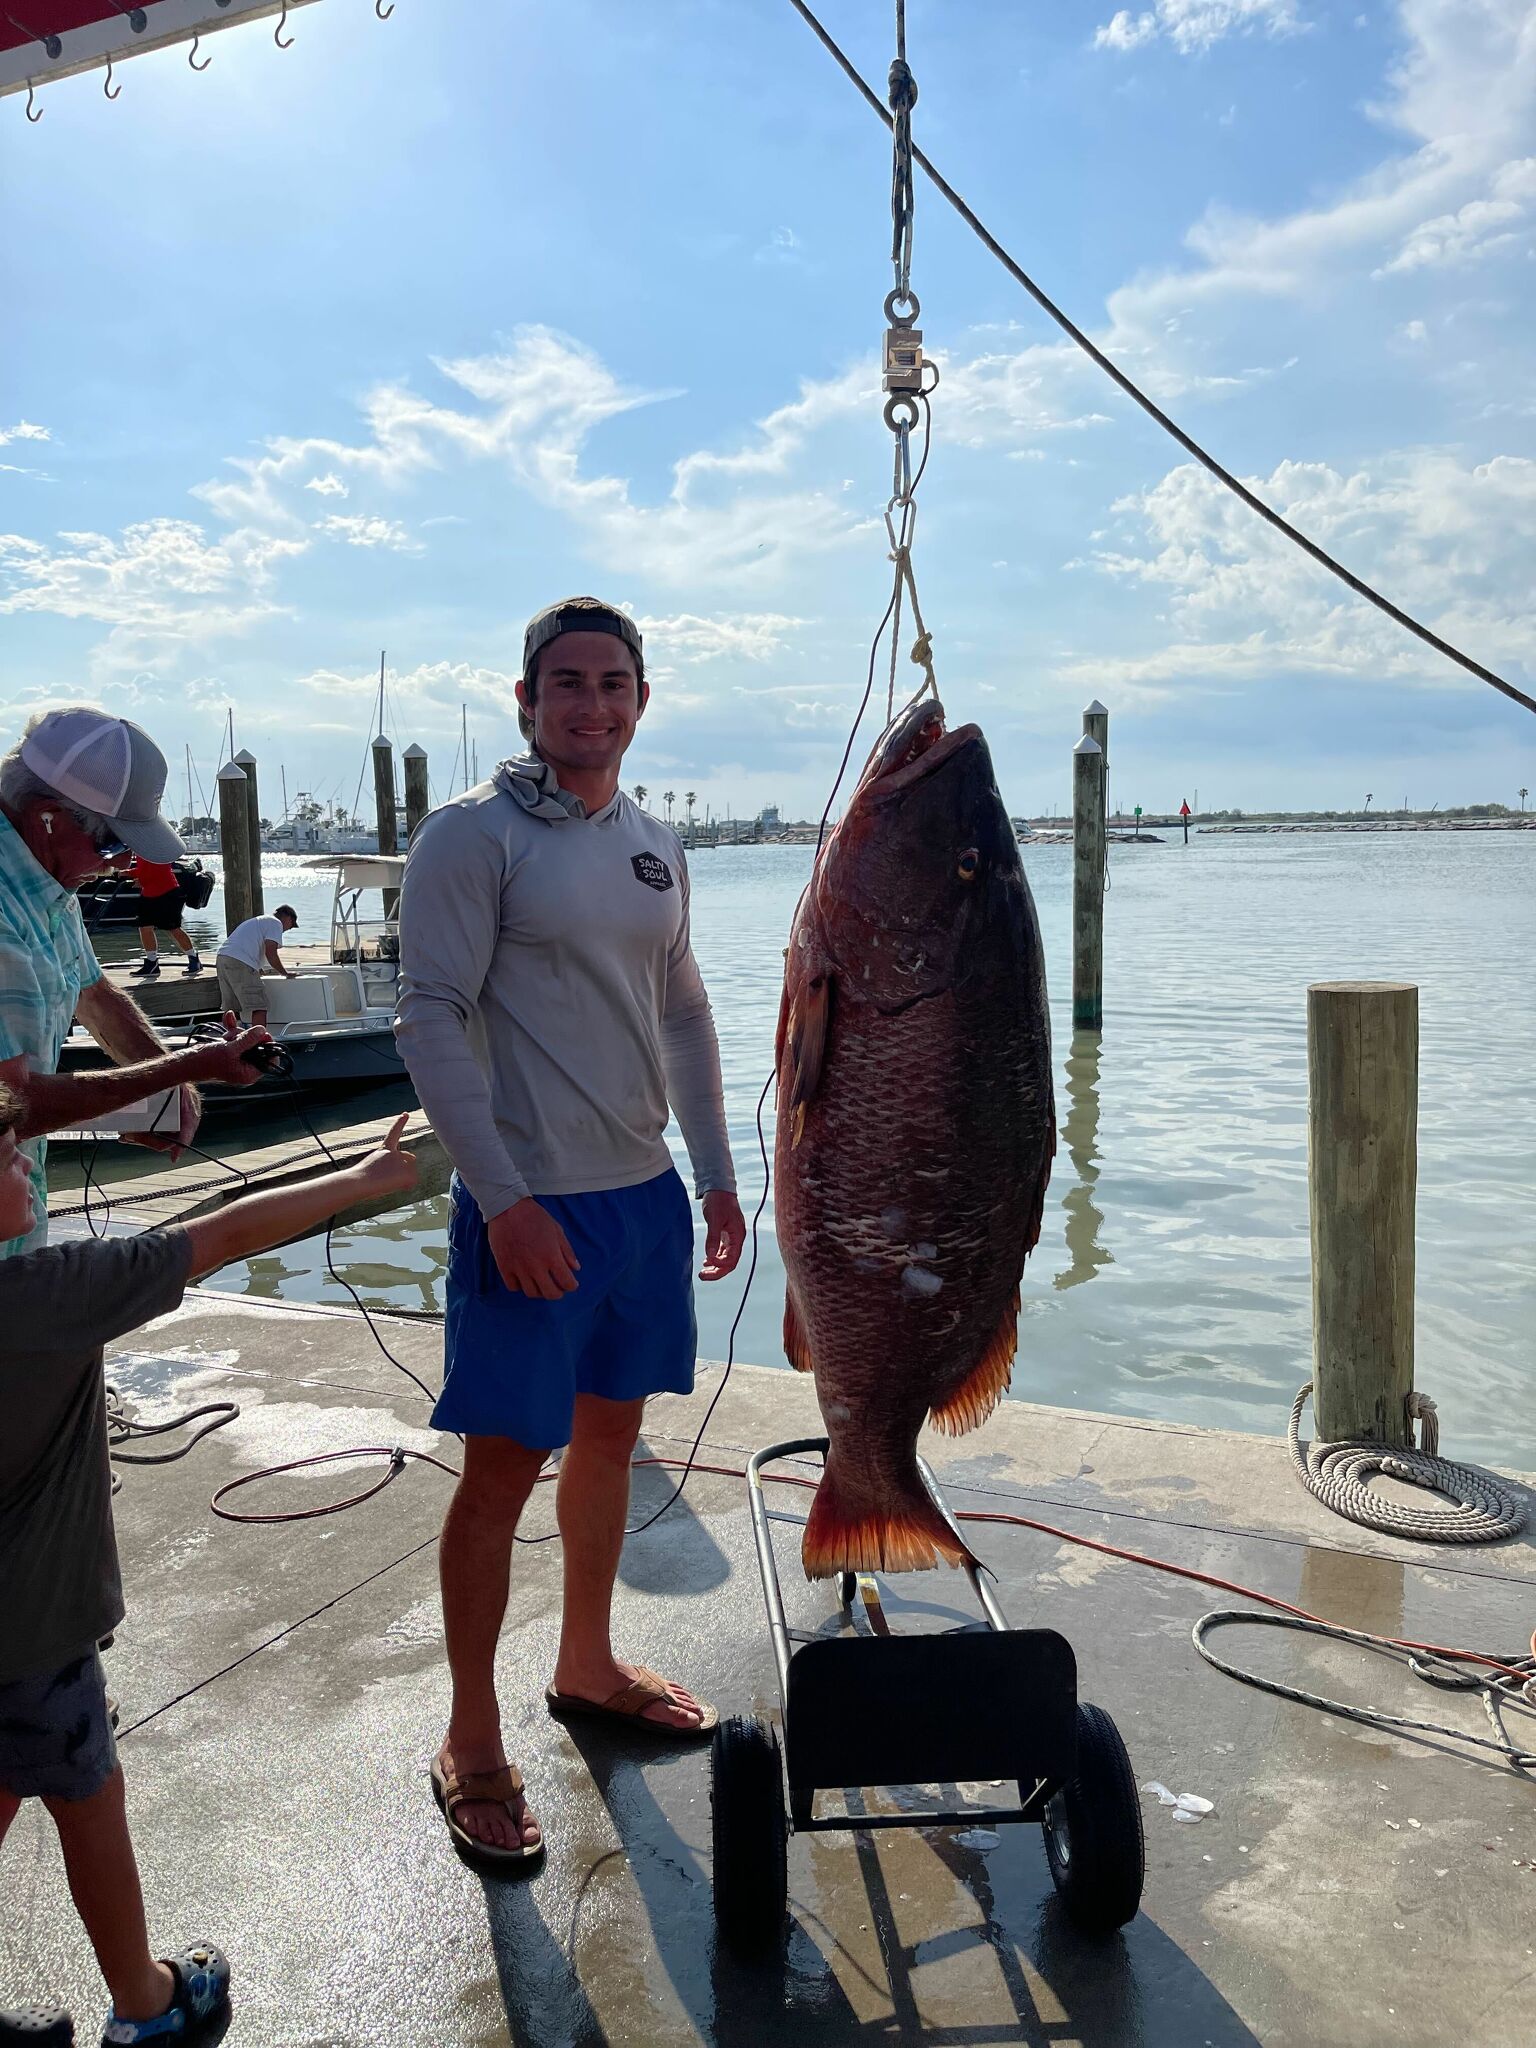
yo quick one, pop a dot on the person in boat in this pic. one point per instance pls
(60, 1585)
(252, 950)
(80, 794)
(164, 907)
(550, 1013)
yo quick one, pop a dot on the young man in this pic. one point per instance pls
(164, 908)
(79, 793)
(550, 1012)
(250, 951)
(60, 1588)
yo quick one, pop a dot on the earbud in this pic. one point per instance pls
(48, 821)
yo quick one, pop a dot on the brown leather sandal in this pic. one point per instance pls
(628, 1704)
(500, 1787)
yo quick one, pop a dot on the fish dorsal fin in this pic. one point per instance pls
(805, 1049)
(979, 1393)
(796, 1346)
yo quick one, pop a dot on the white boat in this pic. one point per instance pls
(335, 1021)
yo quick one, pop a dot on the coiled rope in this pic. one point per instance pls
(1482, 1510)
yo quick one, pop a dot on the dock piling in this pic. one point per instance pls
(417, 800)
(234, 845)
(1096, 727)
(247, 760)
(384, 810)
(1088, 855)
(1362, 1158)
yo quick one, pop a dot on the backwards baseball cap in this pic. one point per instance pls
(108, 765)
(580, 615)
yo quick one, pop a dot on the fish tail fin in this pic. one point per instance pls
(893, 1527)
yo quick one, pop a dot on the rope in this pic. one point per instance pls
(1149, 406)
(123, 1428)
(1485, 1510)
(1433, 1667)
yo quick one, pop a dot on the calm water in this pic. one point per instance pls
(1172, 1277)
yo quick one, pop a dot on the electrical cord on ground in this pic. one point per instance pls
(1149, 406)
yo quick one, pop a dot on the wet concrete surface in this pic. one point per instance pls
(282, 1690)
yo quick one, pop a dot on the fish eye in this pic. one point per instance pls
(968, 864)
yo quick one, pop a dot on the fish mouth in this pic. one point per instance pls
(916, 746)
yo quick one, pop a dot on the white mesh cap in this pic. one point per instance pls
(109, 765)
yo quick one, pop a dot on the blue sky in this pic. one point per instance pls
(388, 339)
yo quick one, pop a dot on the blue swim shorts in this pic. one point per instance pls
(514, 1365)
(56, 1731)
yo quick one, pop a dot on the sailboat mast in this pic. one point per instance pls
(464, 741)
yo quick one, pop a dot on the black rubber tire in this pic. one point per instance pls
(750, 1833)
(1092, 1829)
(847, 1586)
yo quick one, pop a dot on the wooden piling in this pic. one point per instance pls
(1362, 1149)
(417, 801)
(234, 845)
(247, 760)
(1087, 885)
(384, 810)
(1096, 727)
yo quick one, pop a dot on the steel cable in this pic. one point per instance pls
(1149, 406)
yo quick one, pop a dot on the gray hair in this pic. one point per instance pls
(18, 784)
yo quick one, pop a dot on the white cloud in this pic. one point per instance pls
(751, 636)
(1414, 330)
(159, 572)
(1449, 542)
(536, 406)
(1474, 230)
(367, 530)
(328, 486)
(1194, 25)
(782, 246)
(24, 430)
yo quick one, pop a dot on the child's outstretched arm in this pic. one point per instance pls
(258, 1222)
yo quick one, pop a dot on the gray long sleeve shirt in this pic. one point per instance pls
(550, 1006)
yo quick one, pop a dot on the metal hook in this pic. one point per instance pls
(30, 115)
(107, 84)
(192, 56)
(382, 11)
(277, 33)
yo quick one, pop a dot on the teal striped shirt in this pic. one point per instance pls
(45, 961)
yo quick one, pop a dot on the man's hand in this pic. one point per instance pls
(224, 1059)
(533, 1254)
(725, 1233)
(389, 1171)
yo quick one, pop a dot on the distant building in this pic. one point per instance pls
(768, 818)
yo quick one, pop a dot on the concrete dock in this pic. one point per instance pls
(282, 1690)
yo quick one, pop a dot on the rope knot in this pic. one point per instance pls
(902, 93)
(1422, 1409)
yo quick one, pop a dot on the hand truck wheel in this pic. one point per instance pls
(1092, 1829)
(750, 1832)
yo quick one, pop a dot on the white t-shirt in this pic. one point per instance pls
(246, 941)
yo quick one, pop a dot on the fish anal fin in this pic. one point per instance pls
(796, 1349)
(900, 1530)
(979, 1393)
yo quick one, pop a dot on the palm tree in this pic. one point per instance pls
(641, 793)
(690, 800)
(1523, 795)
(669, 798)
(1367, 800)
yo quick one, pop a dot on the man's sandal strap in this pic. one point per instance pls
(635, 1697)
(499, 1787)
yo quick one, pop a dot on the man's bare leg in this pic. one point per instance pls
(104, 1884)
(591, 1506)
(474, 1566)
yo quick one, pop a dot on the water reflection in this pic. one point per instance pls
(1084, 1219)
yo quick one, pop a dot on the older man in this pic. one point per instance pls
(81, 793)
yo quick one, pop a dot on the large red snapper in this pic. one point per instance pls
(915, 1132)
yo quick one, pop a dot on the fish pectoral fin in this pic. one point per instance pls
(796, 1348)
(806, 1048)
(985, 1385)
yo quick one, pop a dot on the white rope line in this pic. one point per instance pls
(1482, 1508)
